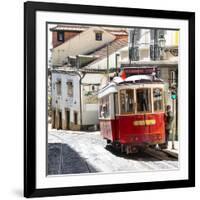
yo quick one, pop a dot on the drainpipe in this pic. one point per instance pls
(116, 62)
(80, 82)
(80, 93)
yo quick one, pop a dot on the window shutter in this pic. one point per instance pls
(134, 40)
(154, 46)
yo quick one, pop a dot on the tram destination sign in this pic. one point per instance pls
(139, 70)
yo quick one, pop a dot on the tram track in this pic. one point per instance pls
(162, 154)
(156, 159)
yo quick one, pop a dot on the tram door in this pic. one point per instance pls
(144, 107)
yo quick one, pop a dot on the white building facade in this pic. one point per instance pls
(83, 43)
(74, 100)
(65, 100)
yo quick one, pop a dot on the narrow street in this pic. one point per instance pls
(71, 152)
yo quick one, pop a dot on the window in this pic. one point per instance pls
(70, 88)
(156, 35)
(116, 104)
(154, 52)
(136, 55)
(58, 87)
(93, 88)
(60, 36)
(98, 36)
(158, 99)
(161, 33)
(143, 100)
(126, 99)
(135, 36)
(122, 101)
(75, 118)
(104, 107)
(153, 34)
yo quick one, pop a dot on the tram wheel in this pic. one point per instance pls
(108, 141)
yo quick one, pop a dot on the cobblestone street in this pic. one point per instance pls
(71, 152)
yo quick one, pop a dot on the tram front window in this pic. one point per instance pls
(104, 107)
(158, 99)
(126, 99)
(143, 100)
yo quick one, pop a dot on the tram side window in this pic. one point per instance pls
(122, 101)
(126, 99)
(143, 100)
(100, 107)
(116, 104)
(158, 99)
(104, 107)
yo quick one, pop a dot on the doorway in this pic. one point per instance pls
(67, 117)
(60, 120)
(53, 114)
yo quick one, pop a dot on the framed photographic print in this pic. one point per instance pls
(109, 99)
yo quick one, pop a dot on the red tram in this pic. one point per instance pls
(131, 112)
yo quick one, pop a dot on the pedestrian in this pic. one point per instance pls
(169, 117)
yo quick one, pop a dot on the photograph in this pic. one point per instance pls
(112, 99)
(109, 98)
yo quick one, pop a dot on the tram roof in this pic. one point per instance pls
(135, 79)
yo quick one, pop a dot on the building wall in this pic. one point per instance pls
(172, 38)
(90, 102)
(67, 35)
(102, 64)
(63, 101)
(111, 59)
(90, 117)
(82, 43)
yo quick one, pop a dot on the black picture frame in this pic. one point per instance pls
(30, 9)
